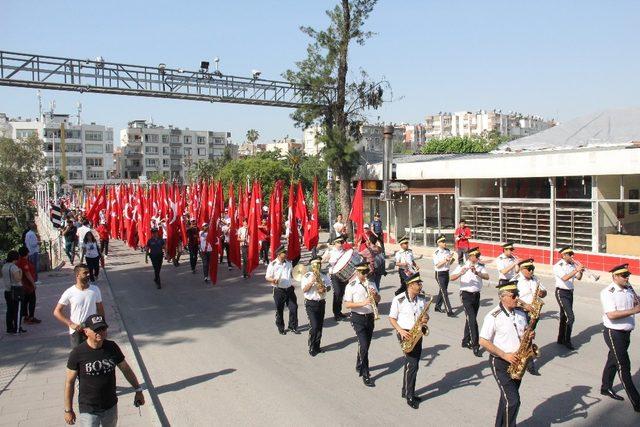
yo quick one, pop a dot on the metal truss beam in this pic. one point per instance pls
(96, 76)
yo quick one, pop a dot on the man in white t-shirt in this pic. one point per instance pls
(83, 300)
(82, 231)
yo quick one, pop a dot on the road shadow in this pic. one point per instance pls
(387, 368)
(552, 350)
(188, 382)
(352, 339)
(563, 407)
(429, 354)
(463, 377)
(486, 302)
(551, 314)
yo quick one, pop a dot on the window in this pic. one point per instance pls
(74, 174)
(93, 135)
(187, 152)
(108, 135)
(202, 151)
(95, 175)
(151, 138)
(70, 148)
(73, 134)
(165, 163)
(165, 151)
(93, 161)
(108, 148)
(150, 162)
(165, 139)
(52, 133)
(175, 151)
(573, 187)
(174, 139)
(25, 133)
(94, 148)
(187, 139)
(149, 149)
(201, 140)
(74, 161)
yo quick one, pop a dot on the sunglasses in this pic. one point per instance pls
(100, 330)
(626, 275)
(530, 268)
(512, 295)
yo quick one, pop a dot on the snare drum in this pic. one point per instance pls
(345, 267)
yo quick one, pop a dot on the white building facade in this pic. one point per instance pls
(148, 149)
(87, 151)
(466, 123)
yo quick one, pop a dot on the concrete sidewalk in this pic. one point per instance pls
(32, 365)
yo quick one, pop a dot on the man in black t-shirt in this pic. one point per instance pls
(94, 363)
(69, 232)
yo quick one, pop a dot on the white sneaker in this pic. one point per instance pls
(229, 268)
(37, 283)
(206, 279)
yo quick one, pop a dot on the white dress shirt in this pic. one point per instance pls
(356, 291)
(440, 255)
(204, 246)
(526, 287)
(504, 329)
(503, 262)
(31, 242)
(280, 271)
(405, 257)
(617, 298)
(332, 257)
(243, 236)
(470, 282)
(405, 311)
(312, 293)
(338, 227)
(561, 269)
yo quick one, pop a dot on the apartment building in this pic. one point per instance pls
(466, 123)
(148, 149)
(371, 138)
(86, 156)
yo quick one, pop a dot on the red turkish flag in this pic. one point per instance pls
(301, 209)
(234, 245)
(293, 242)
(312, 232)
(255, 211)
(213, 237)
(275, 218)
(357, 215)
(99, 204)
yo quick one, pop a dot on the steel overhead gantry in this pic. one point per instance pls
(98, 76)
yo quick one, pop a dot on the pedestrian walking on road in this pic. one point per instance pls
(155, 250)
(243, 240)
(192, 244)
(91, 252)
(93, 363)
(279, 276)
(28, 286)
(103, 234)
(12, 278)
(83, 300)
(70, 234)
(205, 251)
(32, 242)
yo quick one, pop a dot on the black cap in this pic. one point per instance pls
(95, 322)
(281, 249)
(526, 263)
(363, 267)
(315, 259)
(620, 269)
(403, 239)
(508, 245)
(415, 277)
(474, 251)
(338, 239)
(511, 285)
(566, 250)
(441, 238)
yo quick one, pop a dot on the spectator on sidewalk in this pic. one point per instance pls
(12, 278)
(155, 250)
(462, 235)
(376, 228)
(28, 286)
(83, 299)
(103, 234)
(91, 252)
(93, 363)
(32, 242)
(70, 234)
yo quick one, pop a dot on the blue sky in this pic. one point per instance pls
(557, 58)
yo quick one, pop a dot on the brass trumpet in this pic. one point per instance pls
(595, 277)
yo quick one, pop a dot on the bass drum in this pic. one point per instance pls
(345, 267)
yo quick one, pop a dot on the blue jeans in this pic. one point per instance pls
(69, 249)
(35, 260)
(107, 418)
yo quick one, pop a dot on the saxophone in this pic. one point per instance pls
(374, 305)
(418, 331)
(527, 350)
(320, 286)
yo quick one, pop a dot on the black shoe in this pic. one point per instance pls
(439, 310)
(450, 314)
(534, 372)
(319, 350)
(636, 408)
(413, 403)
(403, 394)
(158, 285)
(610, 393)
(295, 331)
(477, 352)
(313, 353)
(283, 332)
(343, 316)
(22, 331)
(467, 345)
(337, 319)
(367, 381)
(570, 346)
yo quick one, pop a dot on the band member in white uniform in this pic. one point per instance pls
(471, 275)
(405, 311)
(565, 272)
(442, 259)
(315, 285)
(331, 256)
(507, 264)
(405, 263)
(357, 298)
(279, 276)
(527, 284)
(500, 336)
(620, 304)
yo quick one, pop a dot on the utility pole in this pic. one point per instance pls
(387, 160)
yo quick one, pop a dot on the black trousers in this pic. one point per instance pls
(442, 278)
(338, 293)
(471, 303)
(315, 312)
(12, 311)
(206, 257)
(618, 360)
(94, 267)
(509, 393)
(156, 262)
(411, 364)
(565, 301)
(193, 257)
(77, 338)
(286, 297)
(403, 277)
(225, 248)
(244, 252)
(264, 250)
(29, 305)
(363, 325)
(462, 253)
(104, 247)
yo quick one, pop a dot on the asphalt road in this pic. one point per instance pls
(214, 356)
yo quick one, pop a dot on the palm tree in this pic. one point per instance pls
(294, 158)
(252, 137)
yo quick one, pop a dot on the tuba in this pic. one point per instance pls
(527, 350)
(418, 331)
